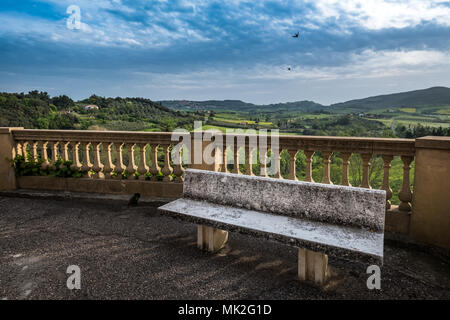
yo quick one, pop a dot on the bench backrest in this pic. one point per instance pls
(315, 201)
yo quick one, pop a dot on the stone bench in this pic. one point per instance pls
(319, 219)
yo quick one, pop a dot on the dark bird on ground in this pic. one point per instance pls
(296, 35)
(289, 68)
(134, 200)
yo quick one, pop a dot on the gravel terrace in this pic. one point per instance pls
(135, 253)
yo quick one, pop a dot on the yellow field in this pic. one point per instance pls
(445, 110)
(239, 121)
(408, 110)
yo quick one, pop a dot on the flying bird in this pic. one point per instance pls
(296, 35)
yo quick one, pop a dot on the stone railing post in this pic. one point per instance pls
(430, 218)
(365, 183)
(345, 166)
(405, 194)
(387, 159)
(326, 167)
(292, 159)
(198, 145)
(7, 153)
(309, 154)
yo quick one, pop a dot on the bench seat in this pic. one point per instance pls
(354, 243)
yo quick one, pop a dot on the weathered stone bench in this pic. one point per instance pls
(319, 219)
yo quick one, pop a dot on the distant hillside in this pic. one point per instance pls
(304, 106)
(435, 96)
(35, 110)
(40, 111)
(206, 105)
(238, 105)
(432, 97)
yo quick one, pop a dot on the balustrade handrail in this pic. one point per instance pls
(392, 146)
(93, 135)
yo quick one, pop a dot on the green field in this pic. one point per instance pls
(413, 122)
(444, 111)
(224, 129)
(242, 121)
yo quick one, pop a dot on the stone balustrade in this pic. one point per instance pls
(147, 162)
(367, 148)
(102, 154)
(327, 146)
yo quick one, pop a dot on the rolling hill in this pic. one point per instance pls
(37, 110)
(431, 97)
(238, 105)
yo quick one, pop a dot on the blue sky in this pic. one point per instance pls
(227, 49)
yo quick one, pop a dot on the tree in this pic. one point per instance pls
(62, 102)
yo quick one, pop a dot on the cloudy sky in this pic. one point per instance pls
(226, 49)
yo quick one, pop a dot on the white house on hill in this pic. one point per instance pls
(91, 107)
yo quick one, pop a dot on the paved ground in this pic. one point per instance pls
(134, 253)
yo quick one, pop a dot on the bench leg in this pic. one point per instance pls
(312, 266)
(211, 239)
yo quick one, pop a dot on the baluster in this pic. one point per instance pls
(131, 169)
(98, 166)
(154, 169)
(236, 168)
(405, 194)
(24, 150)
(249, 159)
(385, 185)
(167, 169)
(65, 150)
(308, 174)
(345, 165)
(120, 167)
(178, 170)
(292, 160)
(19, 150)
(263, 161)
(87, 165)
(55, 153)
(55, 149)
(45, 162)
(142, 168)
(224, 159)
(34, 151)
(109, 167)
(326, 167)
(365, 170)
(276, 162)
(75, 156)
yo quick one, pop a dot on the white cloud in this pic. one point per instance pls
(381, 14)
(163, 23)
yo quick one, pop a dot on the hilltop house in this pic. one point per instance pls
(91, 107)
